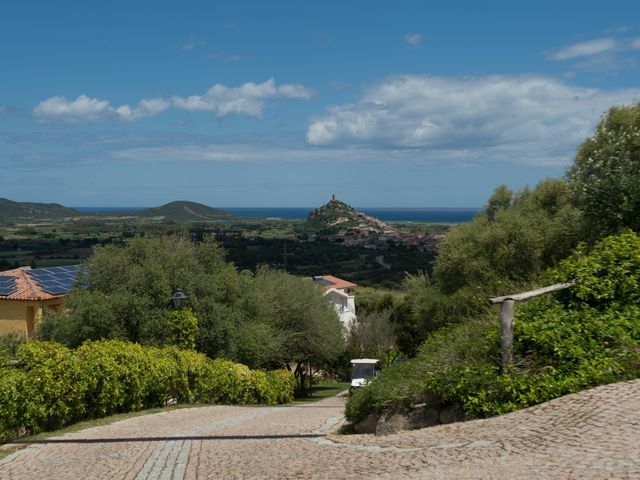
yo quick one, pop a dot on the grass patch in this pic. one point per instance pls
(322, 391)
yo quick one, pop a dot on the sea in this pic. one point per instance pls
(417, 215)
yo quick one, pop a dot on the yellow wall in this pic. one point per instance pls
(22, 317)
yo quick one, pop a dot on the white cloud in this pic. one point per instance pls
(585, 49)
(607, 50)
(85, 109)
(248, 99)
(82, 109)
(531, 119)
(145, 108)
(413, 39)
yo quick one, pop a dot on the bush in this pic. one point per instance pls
(507, 247)
(55, 386)
(576, 339)
(9, 345)
(182, 328)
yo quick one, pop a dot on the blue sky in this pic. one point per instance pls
(283, 103)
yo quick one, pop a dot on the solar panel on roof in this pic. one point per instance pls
(55, 280)
(7, 285)
(56, 290)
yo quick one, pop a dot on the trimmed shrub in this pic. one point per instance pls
(55, 386)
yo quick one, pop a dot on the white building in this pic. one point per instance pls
(340, 293)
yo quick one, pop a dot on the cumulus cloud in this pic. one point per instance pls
(145, 108)
(86, 109)
(413, 39)
(248, 99)
(539, 119)
(82, 109)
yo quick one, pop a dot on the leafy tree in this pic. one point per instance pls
(373, 336)
(264, 320)
(606, 171)
(515, 245)
(500, 200)
(131, 288)
(294, 307)
(371, 300)
(507, 247)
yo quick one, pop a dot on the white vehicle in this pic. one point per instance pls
(363, 370)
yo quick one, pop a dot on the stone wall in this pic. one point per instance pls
(418, 416)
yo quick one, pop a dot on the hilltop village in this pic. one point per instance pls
(339, 222)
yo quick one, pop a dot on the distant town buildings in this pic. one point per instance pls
(341, 223)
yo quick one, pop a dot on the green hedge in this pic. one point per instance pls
(54, 386)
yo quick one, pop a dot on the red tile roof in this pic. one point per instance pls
(26, 287)
(335, 282)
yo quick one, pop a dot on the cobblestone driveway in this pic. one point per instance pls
(593, 434)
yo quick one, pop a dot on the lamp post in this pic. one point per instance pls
(179, 299)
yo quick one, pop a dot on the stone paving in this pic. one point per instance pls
(593, 434)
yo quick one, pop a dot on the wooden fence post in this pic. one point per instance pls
(508, 305)
(506, 331)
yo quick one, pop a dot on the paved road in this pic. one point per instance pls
(594, 434)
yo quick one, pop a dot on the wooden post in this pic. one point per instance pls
(506, 316)
(506, 332)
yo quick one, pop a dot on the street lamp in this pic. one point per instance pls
(178, 298)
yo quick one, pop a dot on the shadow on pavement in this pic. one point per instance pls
(163, 439)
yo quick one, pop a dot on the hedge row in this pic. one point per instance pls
(55, 386)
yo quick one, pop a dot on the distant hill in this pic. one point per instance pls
(10, 210)
(333, 216)
(339, 222)
(183, 211)
(336, 216)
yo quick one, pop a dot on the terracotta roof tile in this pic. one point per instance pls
(328, 282)
(26, 287)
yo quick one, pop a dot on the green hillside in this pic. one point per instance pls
(10, 210)
(183, 211)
